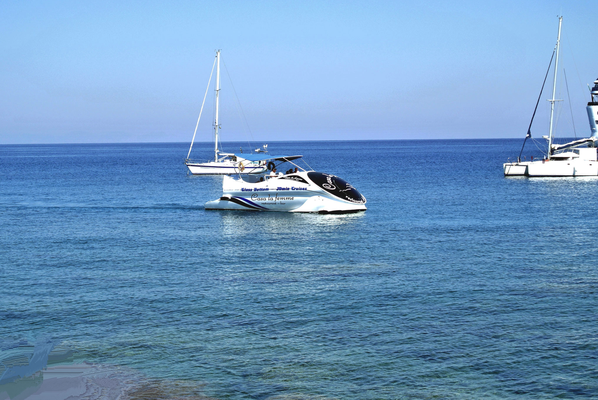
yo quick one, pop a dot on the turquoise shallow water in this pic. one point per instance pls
(456, 282)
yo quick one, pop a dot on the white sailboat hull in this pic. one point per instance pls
(515, 169)
(298, 192)
(552, 168)
(225, 168)
(563, 168)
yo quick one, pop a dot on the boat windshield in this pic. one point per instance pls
(337, 187)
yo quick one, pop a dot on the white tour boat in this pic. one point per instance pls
(576, 158)
(224, 163)
(293, 191)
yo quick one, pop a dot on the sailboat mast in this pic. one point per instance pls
(216, 126)
(553, 100)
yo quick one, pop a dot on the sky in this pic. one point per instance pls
(136, 71)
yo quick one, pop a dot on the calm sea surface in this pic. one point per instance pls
(455, 283)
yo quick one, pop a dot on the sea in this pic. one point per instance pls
(455, 283)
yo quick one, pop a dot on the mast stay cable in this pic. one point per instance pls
(201, 110)
(529, 129)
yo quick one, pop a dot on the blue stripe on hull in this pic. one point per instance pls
(244, 202)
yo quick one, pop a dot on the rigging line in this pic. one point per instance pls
(529, 129)
(200, 111)
(308, 166)
(296, 165)
(218, 141)
(581, 85)
(557, 120)
(239, 106)
(540, 149)
(558, 113)
(570, 108)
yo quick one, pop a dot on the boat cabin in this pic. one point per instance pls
(586, 154)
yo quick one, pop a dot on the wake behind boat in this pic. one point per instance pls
(293, 191)
(576, 158)
(224, 163)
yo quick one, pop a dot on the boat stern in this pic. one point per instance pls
(515, 169)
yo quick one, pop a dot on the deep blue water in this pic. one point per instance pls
(455, 283)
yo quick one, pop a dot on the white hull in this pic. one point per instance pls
(515, 169)
(298, 192)
(552, 168)
(225, 168)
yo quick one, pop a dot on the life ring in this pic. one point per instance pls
(241, 167)
(271, 166)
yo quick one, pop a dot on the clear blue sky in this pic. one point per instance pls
(136, 71)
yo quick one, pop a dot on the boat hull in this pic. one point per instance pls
(225, 168)
(515, 169)
(282, 203)
(288, 193)
(552, 168)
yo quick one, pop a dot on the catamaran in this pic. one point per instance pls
(224, 163)
(576, 158)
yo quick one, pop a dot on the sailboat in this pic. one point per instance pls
(223, 163)
(576, 158)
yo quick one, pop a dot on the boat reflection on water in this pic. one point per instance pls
(274, 225)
